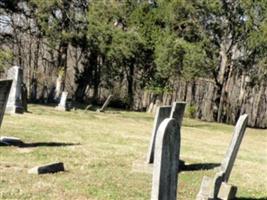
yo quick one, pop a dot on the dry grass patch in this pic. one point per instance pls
(98, 150)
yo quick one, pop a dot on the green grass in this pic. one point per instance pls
(105, 145)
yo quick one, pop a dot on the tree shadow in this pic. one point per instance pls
(250, 198)
(200, 166)
(41, 144)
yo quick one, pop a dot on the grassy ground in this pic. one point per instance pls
(98, 150)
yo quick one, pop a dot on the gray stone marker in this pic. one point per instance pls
(175, 111)
(162, 113)
(63, 102)
(166, 163)
(105, 105)
(11, 141)
(14, 104)
(49, 168)
(217, 187)
(5, 86)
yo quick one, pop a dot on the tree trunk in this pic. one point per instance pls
(130, 81)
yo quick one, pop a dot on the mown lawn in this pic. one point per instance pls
(98, 150)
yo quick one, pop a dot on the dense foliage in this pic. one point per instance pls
(148, 44)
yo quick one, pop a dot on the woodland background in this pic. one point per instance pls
(210, 53)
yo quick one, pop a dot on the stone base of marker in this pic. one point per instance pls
(14, 109)
(10, 141)
(49, 168)
(226, 191)
(141, 166)
(61, 108)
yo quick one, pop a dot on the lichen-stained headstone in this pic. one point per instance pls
(175, 111)
(14, 104)
(166, 162)
(63, 102)
(5, 86)
(162, 113)
(212, 188)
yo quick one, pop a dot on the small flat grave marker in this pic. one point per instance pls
(11, 141)
(49, 168)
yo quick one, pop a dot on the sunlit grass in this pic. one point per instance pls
(104, 146)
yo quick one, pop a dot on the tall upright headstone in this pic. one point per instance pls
(175, 111)
(162, 113)
(14, 104)
(214, 188)
(166, 163)
(5, 86)
(63, 102)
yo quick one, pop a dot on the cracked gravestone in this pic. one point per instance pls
(218, 187)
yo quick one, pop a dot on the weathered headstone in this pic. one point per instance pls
(166, 163)
(49, 168)
(214, 188)
(105, 105)
(63, 102)
(162, 113)
(5, 86)
(14, 104)
(175, 111)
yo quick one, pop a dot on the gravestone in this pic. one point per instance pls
(63, 102)
(5, 86)
(162, 113)
(218, 186)
(11, 141)
(105, 105)
(175, 111)
(156, 106)
(150, 107)
(14, 103)
(166, 163)
(49, 168)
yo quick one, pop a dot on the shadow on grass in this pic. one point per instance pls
(47, 144)
(200, 166)
(250, 198)
(41, 144)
